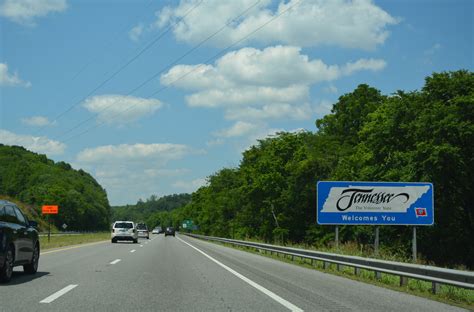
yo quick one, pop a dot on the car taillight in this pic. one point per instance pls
(113, 230)
(133, 230)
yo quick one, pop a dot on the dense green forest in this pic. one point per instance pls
(151, 210)
(425, 135)
(36, 180)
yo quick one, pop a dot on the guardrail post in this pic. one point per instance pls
(403, 281)
(378, 275)
(435, 287)
(339, 267)
(356, 271)
(326, 265)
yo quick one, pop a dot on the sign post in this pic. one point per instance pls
(376, 243)
(49, 210)
(375, 203)
(414, 244)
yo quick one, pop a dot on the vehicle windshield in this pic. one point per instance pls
(123, 225)
(142, 227)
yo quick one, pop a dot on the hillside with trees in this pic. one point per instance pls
(36, 180)
(148, 211)
(410, 136)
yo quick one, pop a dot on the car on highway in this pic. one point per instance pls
(143, 230)
(19, 242)
(124, 230)
(169, 231)
(157, 230)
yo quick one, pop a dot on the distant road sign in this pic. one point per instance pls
(396, 203)
(50, 209)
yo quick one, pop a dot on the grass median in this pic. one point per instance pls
(57, 241)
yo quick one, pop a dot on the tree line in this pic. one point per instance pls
(36, 180)
(424, 135)
(152, 210)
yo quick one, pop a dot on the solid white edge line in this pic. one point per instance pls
(267, 292)
(115, 261)
(58, 294)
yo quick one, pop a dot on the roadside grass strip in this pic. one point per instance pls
(69, 240)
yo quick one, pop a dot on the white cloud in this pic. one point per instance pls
(244, 95)
(430, 54)
(351, 24)
(272, 111)
(331, 89)
(36, 144)
(240, 128)
(132, 171)
(9, 79)
(157, 152)
(37, 121)
(363, 64)
(166, 172)
(216, 142)
(189, 186)
(120, 109)
(25, 11)
(260, 84)
(136, 32)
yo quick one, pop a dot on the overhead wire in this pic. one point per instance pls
(115, 73)
(94, 59)
(222, 51)
(151, 78)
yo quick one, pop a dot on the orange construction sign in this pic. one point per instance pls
(50, 210)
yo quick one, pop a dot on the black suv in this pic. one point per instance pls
(169, 231)
(19, 243)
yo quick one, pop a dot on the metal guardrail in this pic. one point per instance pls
(437, 276)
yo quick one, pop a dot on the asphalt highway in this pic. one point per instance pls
(185, 274)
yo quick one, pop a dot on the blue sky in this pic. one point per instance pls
(73, 73)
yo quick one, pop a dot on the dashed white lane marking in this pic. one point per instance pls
(141, 245)
(133, 250)
(58, 294)
(267, 292)
(115, 261)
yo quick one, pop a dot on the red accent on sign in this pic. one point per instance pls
(420, 212)
(49, 209)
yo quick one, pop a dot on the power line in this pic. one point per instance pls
(122, 29)
(114, 74)
(194, 69)
(159, 72)
(94, 59)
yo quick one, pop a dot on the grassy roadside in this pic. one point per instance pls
(68, 240)
(451, 295)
